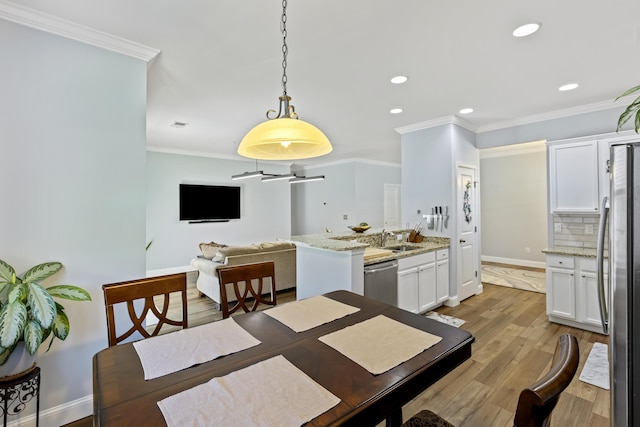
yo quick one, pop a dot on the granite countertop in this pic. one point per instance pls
(567, 250)
(351, 240)
(429, 244)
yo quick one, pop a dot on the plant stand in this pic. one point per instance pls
(16, 392)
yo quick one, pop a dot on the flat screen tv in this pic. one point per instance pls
(208, 203)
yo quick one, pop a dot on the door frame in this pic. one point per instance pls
(476, 283)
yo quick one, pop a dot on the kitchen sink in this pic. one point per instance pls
(403, 248)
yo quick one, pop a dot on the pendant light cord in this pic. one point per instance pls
(285, 49)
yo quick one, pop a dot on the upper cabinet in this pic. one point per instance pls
(573, 177)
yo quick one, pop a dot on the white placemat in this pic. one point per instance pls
(178, 350)
(309, 313)
(379, 344)
(270, 393)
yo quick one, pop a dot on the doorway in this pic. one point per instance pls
(467, 231)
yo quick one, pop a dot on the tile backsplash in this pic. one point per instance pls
(576, 231)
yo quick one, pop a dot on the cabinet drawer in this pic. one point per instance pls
(442, 254)
(413, 261)
(560, 261)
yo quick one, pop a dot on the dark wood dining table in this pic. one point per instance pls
(121, 396)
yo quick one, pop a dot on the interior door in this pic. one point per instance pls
(467, 232)
(391, 206)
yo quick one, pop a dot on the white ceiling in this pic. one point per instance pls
(220, 66)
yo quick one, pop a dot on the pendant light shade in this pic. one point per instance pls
(284, 136)
(284, 139)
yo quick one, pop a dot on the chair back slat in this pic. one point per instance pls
(538, 401)
(144, 289)
(248, 284)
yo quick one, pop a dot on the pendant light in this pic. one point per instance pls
(246, 175)
(284, 137)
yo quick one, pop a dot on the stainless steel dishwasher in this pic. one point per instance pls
(381, 282)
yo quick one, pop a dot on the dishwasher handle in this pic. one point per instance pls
(377, 270)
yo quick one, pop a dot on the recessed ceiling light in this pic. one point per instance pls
(395, 110)
(569, 86)
(399, 79)
(526, 29)
(466, 111)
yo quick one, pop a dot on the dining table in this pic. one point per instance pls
(122, 397)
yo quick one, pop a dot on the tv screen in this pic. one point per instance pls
(209, 202)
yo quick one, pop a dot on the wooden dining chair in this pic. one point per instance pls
(538, 400)
(249, 286)
(148, 290)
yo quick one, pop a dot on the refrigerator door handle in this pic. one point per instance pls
(604, 314)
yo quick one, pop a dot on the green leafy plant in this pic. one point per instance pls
(633, 108)
(27, 310)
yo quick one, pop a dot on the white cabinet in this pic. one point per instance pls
(408, 289)
(442, 275)
(423, 281)
(574, 177)
(561, 287)
(427, 286)
(572, 292)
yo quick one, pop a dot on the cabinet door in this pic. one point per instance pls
(561, 295)
(442, 281)
(408, 290)
(427, 286)
(589, 290)
(573, 177)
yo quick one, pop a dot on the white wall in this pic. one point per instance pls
(72, 143)
(514, 201)
(265, 207)
(427, 174)
(355, 189)
(429, 159)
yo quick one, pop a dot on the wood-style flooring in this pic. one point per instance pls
(513, 348)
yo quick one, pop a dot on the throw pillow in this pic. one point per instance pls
(209, 250)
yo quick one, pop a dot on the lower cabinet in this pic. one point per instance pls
(572, 292)
(423, 281)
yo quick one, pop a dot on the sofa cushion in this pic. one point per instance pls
(277, 246)
(210, 250)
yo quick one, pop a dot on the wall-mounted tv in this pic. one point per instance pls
(205, 203)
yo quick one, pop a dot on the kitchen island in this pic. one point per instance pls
(330, 262)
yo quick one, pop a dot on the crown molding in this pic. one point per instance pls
(514, 149)
(448, 120)
(54, 25)
(559, 114)
(350, 160)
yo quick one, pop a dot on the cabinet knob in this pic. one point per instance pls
(463, 241)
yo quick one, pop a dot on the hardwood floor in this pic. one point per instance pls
(513, 348)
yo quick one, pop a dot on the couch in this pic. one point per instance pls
(214, 255)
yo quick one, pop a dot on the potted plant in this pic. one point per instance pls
(28, 313)
(633, 108)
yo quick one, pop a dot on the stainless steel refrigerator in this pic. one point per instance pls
(620, 297)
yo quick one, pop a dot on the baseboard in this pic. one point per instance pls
(512, 261)
(59, 415)
(452, 301)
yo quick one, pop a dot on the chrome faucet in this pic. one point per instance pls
(383, 237)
